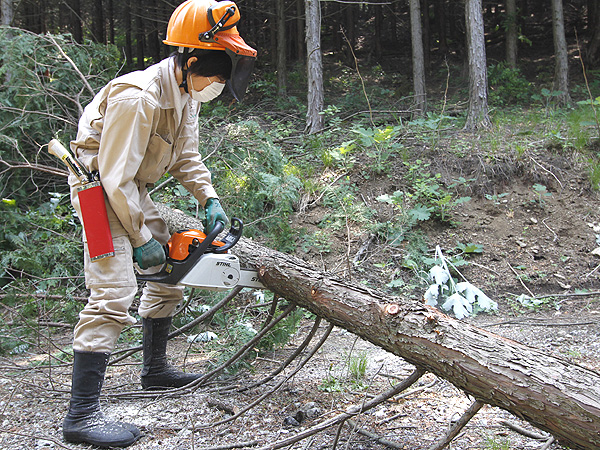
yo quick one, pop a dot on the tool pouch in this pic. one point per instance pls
(95, 221)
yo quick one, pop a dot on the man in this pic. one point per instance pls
(137, 128)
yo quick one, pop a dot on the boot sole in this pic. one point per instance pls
(74, 438)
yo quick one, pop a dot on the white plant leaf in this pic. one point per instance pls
(431, 295)
(459, 305)
(474, 294)
(439, 275)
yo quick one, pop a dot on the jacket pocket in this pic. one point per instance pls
(156, 159)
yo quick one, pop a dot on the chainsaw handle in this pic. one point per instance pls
(233, 236)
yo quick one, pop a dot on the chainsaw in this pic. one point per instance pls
(198, 260)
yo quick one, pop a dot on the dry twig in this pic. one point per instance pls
(458, 425)
(350, 412)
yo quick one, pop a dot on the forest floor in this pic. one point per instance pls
(542, 247)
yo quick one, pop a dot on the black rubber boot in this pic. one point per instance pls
(85, 422)
(157, 372)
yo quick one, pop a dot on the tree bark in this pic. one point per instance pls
(128, 32)
(75, 20)
(8, 12)
(593, 47)
(478, 115)
(314, 118)
(561, 68)
(110, 13)
(440, 19)
(548, 392)
(511, 33)
(281, 49)
(98, 31)
(300, 49)
(152, 26)
(418, 59)
(139, 37)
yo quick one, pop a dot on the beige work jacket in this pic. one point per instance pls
(136, 129)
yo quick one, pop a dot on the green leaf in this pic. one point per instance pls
(398, 282)
(420, 212)
(470, 247)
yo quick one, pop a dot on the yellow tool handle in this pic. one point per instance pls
(56, 148)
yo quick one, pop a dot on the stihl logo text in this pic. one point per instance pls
(226, 264)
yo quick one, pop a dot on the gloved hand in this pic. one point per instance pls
(150, 254)
(213, 212)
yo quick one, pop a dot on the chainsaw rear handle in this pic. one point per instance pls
(173, 271)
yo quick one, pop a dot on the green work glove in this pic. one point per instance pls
(214, 213)
(150, 254)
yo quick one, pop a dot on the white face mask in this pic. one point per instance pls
(213, 90)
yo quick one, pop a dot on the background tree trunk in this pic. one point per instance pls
(561, 68)
(549, 392)
(75, 20)
(7, 11)
(300, 49)
(593, 48)
(153, 25)
(281, 48)
(478, 115)
(418, 60)
(110, 12)
(511, 33)
(98, 33)
(440, 20)
(314, 118)
(139, 37)
(128, 26)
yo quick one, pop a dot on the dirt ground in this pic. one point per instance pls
(532, 245)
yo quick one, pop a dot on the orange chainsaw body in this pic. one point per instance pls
(184, 242)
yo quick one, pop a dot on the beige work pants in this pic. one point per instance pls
(113, 285)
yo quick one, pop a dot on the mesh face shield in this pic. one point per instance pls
(241, 69)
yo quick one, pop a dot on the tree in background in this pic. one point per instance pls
(281, 47)
(511, 33)
(593, 50)
(7, 11)
(478, 115)
(561, 68)
(418, 58)
(314, 118)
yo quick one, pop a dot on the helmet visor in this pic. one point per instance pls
(241, 69)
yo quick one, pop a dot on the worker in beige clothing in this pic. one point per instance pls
(137, 128)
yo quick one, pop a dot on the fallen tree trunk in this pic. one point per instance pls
(549, 392)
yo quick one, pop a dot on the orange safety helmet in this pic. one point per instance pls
(211, 25)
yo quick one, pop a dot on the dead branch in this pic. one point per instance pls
(289, 360)
(229, 446)
(458, 425)
(83, 78)
(525, 432)
(349, 413)
(13, 165)
(375, 437)
(278, 385)
(35, 436)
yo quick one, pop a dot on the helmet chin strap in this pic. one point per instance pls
(184, 70)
